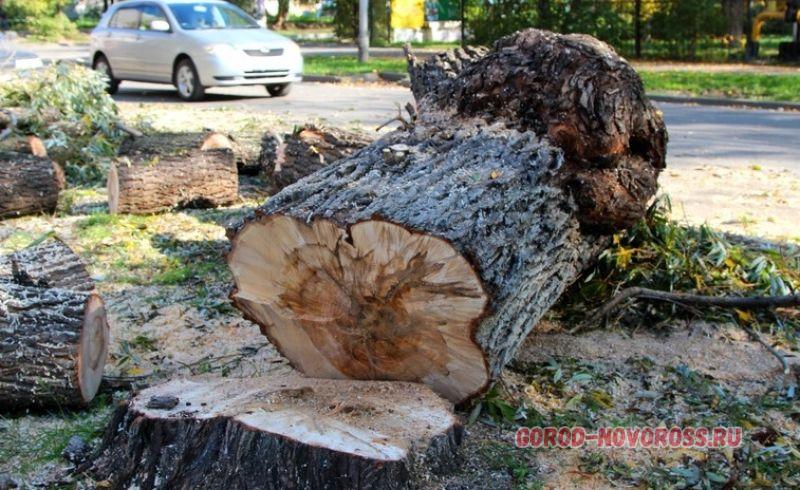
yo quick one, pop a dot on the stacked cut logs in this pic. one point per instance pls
(426, 257)
(164, 171)
(30, 182)
(53, 329)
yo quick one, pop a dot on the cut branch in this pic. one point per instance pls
(751, 302)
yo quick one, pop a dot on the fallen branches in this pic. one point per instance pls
(752, 302)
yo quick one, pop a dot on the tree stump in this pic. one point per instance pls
(277, 433)
(50, 264)
(53, 346)
(29, 184)
(166, 171)
(430, 255)
(287, 158)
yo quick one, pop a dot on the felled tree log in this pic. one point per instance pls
(161, 172)
(434, 265)
(287, 158)
(276, 433)
(50, 264)
(53, 346)
(29, 184)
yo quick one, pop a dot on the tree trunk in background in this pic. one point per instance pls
(430, 255)
(28, 184)
(283, 14)
(277, 433)
(165, 171)
(734, 11)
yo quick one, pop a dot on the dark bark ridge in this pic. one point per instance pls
(576, 91)
(278, 433)
(28, 184)
(50, 264)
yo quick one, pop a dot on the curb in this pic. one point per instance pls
(721, 102)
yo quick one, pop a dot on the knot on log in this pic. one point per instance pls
(576, 91)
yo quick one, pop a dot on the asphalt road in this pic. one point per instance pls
(698, 134)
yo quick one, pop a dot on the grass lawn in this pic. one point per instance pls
(722, 84)
(349, 65)
(738, 85)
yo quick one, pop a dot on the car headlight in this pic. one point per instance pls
(221, 50)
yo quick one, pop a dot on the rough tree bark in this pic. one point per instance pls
(162, 172)
(276, 433)
(50, 264)
(53, 346)
(29, 184)
(287, 158)
(434, 265)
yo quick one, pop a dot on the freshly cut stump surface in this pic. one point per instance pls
(53, 346)
(278, 433)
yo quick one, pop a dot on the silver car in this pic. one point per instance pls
(192, 45)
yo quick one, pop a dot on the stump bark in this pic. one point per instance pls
(287, 158)
(29, 184)
(53, 346)
(434, 265)
(50, 264)
(161, 172)
(277, 433)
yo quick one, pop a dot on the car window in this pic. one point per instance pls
(125, 18)
(149, 14)
(202, 15)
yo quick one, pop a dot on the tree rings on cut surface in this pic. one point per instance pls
(375, 301)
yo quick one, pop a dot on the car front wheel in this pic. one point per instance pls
(187, 82)
(279, 90)
(102, 65)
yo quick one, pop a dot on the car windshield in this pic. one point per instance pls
(203, 15)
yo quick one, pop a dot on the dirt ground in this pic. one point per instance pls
(166, 285)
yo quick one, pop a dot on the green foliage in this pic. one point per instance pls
(683, 24)
(72, 113)
(52, 28)
(23, 9)
(660, 254)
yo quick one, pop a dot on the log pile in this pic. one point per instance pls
(277, 433)
(53, 329)
(165, 171)
(30, 182)
(432, 266)
(287, 158)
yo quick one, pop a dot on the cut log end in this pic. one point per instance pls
(93, 349)
(278, 432)
(375, 301)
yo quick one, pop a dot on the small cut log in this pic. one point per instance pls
(161, 172)
(29, 181)
(50, 264)
(53, 346)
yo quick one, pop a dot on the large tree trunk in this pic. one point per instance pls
(50, 264)
(734, 11)
(53, 346)
(287, 158)
(433, 264)
(277, 433)
(165, 171)
(29, 184)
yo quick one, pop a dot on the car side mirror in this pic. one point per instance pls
(159, 25)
